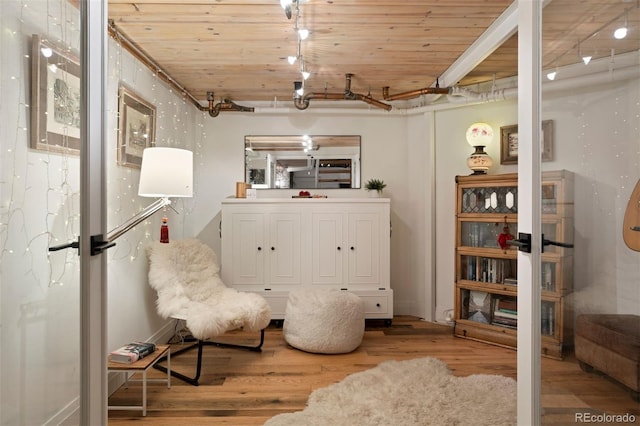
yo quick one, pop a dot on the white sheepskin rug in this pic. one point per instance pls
(406, 393)
(185, 274)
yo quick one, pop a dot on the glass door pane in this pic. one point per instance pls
(39, 209)
(591, 292)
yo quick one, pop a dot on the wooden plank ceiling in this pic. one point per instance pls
(238, 48)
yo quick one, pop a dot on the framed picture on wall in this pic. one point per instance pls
(136, 127)
(509, 143)
(55, 98)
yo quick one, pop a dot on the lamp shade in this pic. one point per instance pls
(166, 172)
(479, 134)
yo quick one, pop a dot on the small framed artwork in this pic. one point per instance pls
(509, 143)
(55, 98)
(136, 127)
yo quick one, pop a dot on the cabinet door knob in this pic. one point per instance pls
(259, 248)
(339, 248)
(353, 248)
(273, 248)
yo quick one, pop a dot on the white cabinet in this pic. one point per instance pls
(271, 246)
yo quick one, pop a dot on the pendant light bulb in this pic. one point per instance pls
(621, 32)
(586, 59)
(306, 74)
(303, 34)
(292, 59)
(552, 75)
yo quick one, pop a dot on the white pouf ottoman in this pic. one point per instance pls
(324, 321)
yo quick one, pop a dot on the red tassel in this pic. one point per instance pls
(164, 231)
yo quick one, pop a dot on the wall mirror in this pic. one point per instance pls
(304, 162)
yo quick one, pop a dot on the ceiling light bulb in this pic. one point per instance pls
(46, 52)
(53, 67)
(586, 59)
(285, 3)
(620, 33)
(298, 89)
(303, 34)
(551, 75)
(305, 74)
(292, 59)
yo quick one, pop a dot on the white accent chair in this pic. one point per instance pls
(185, 275)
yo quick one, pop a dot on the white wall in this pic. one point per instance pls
(131, 305)
(385, 155)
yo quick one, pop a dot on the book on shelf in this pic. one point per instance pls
(132, 352)
(510, 281)
(505, 313)
(505, 322)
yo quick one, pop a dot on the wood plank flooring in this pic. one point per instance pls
(248, 388)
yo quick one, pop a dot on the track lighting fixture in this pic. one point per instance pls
(286, 5)
(585, 58)
(301, 34)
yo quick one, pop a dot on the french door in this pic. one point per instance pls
(596, 139)
(52, 298)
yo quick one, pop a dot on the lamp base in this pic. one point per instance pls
(479, 162)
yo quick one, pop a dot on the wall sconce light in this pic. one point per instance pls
(479, 135)
(164, 173)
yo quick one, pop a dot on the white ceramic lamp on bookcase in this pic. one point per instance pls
(479, 135)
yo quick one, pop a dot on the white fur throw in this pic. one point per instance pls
(185, 274)
(324, 321)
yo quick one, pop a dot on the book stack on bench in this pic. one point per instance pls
(132, 352)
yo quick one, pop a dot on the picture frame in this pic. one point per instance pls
(509, 143)
(55, 98)
(136, 127)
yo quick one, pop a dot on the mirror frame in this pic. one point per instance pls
(303, 161)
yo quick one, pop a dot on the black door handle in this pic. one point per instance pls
(554, 243)
(523, 242)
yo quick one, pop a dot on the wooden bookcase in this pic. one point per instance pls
(486, 290)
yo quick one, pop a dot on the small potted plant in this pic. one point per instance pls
(375, 187)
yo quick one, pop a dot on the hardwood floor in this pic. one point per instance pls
(247, 388)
